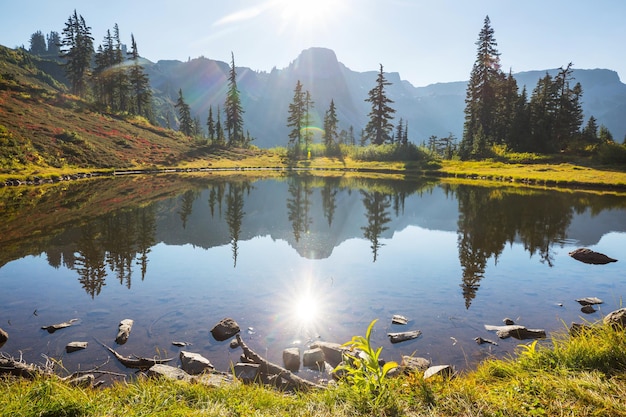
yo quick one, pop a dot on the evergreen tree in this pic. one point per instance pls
(139, 84)
(481, 99)
(210, 124)
(330, 126)
(605, 135)
(122, 86)
(399, 131)
(219, 131)
(184, 114)
(351, 137)
(542, 109)
(308, 107)
(568, 112)
(296, 117)
(77, 51)
(233, 109)
(54, 44)
(37, 44)
(590, 131)
(405, 134)
(379, 127)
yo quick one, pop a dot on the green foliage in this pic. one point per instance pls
(70, 136)
(363, 371)
(387, 152)
(611, 153)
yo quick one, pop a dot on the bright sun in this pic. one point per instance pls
(308, 12)
(306, 309)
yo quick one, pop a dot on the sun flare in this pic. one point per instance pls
(306, 309)
(308, 12)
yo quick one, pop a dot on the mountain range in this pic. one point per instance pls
(436, 109)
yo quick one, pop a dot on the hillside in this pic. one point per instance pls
(43, 127)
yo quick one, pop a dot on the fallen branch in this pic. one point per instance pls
(273, 369)
(135, 362)
(22, 369)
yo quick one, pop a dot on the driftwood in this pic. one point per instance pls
(273, 369)
(22, 369)
(54, 327)
(135, 362)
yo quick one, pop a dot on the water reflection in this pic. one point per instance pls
(314, 215)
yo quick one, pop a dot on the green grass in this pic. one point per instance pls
(572, 376)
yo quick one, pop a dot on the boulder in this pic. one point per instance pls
(412, 363)
(225, 329)
(333, 352)
(194, 363)
(516, 331)
(247, 372)
(616, 318)
(291, 359)
(214, 379)
(589, 301)
(590, 257)
(588, 309)
(398, 319)
(124, 331)
(313, 358)
(4, 336)
(403, 336)
(168, 372)
(443, 370)
(74, 346)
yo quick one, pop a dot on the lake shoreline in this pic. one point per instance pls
(531, 175)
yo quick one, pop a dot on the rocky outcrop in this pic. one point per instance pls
(590, 257)
(225, 329)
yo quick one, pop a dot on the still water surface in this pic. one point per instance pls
(297, 259)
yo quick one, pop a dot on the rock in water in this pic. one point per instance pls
(124, 331)
(4, 336)
(588, 301)
(590, 257)
(194, 363)
(398, 319)
(402, 336)
(225, 329)
(291, 359)
(74, 346)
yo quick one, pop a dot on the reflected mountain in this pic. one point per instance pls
(105, 229)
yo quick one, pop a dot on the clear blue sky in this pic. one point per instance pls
(425, 41)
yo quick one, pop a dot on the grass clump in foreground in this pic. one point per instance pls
(582, 375)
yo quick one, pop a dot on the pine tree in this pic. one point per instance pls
(330, 126)
(122, 86)
(210, 124)
(184, 114)
(590, 131)
(233, 109)
(568, 112)
(37, 44)
(399, 131)
(296, 117)
(219, 131)
(308, 107)
(481, 96)
(141, 96)
(379, 127)
(77, 50)
(54, 44)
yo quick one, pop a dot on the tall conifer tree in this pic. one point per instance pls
(481, 96)
(233, 109)
(379, 127)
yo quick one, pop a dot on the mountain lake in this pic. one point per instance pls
(294, 259)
